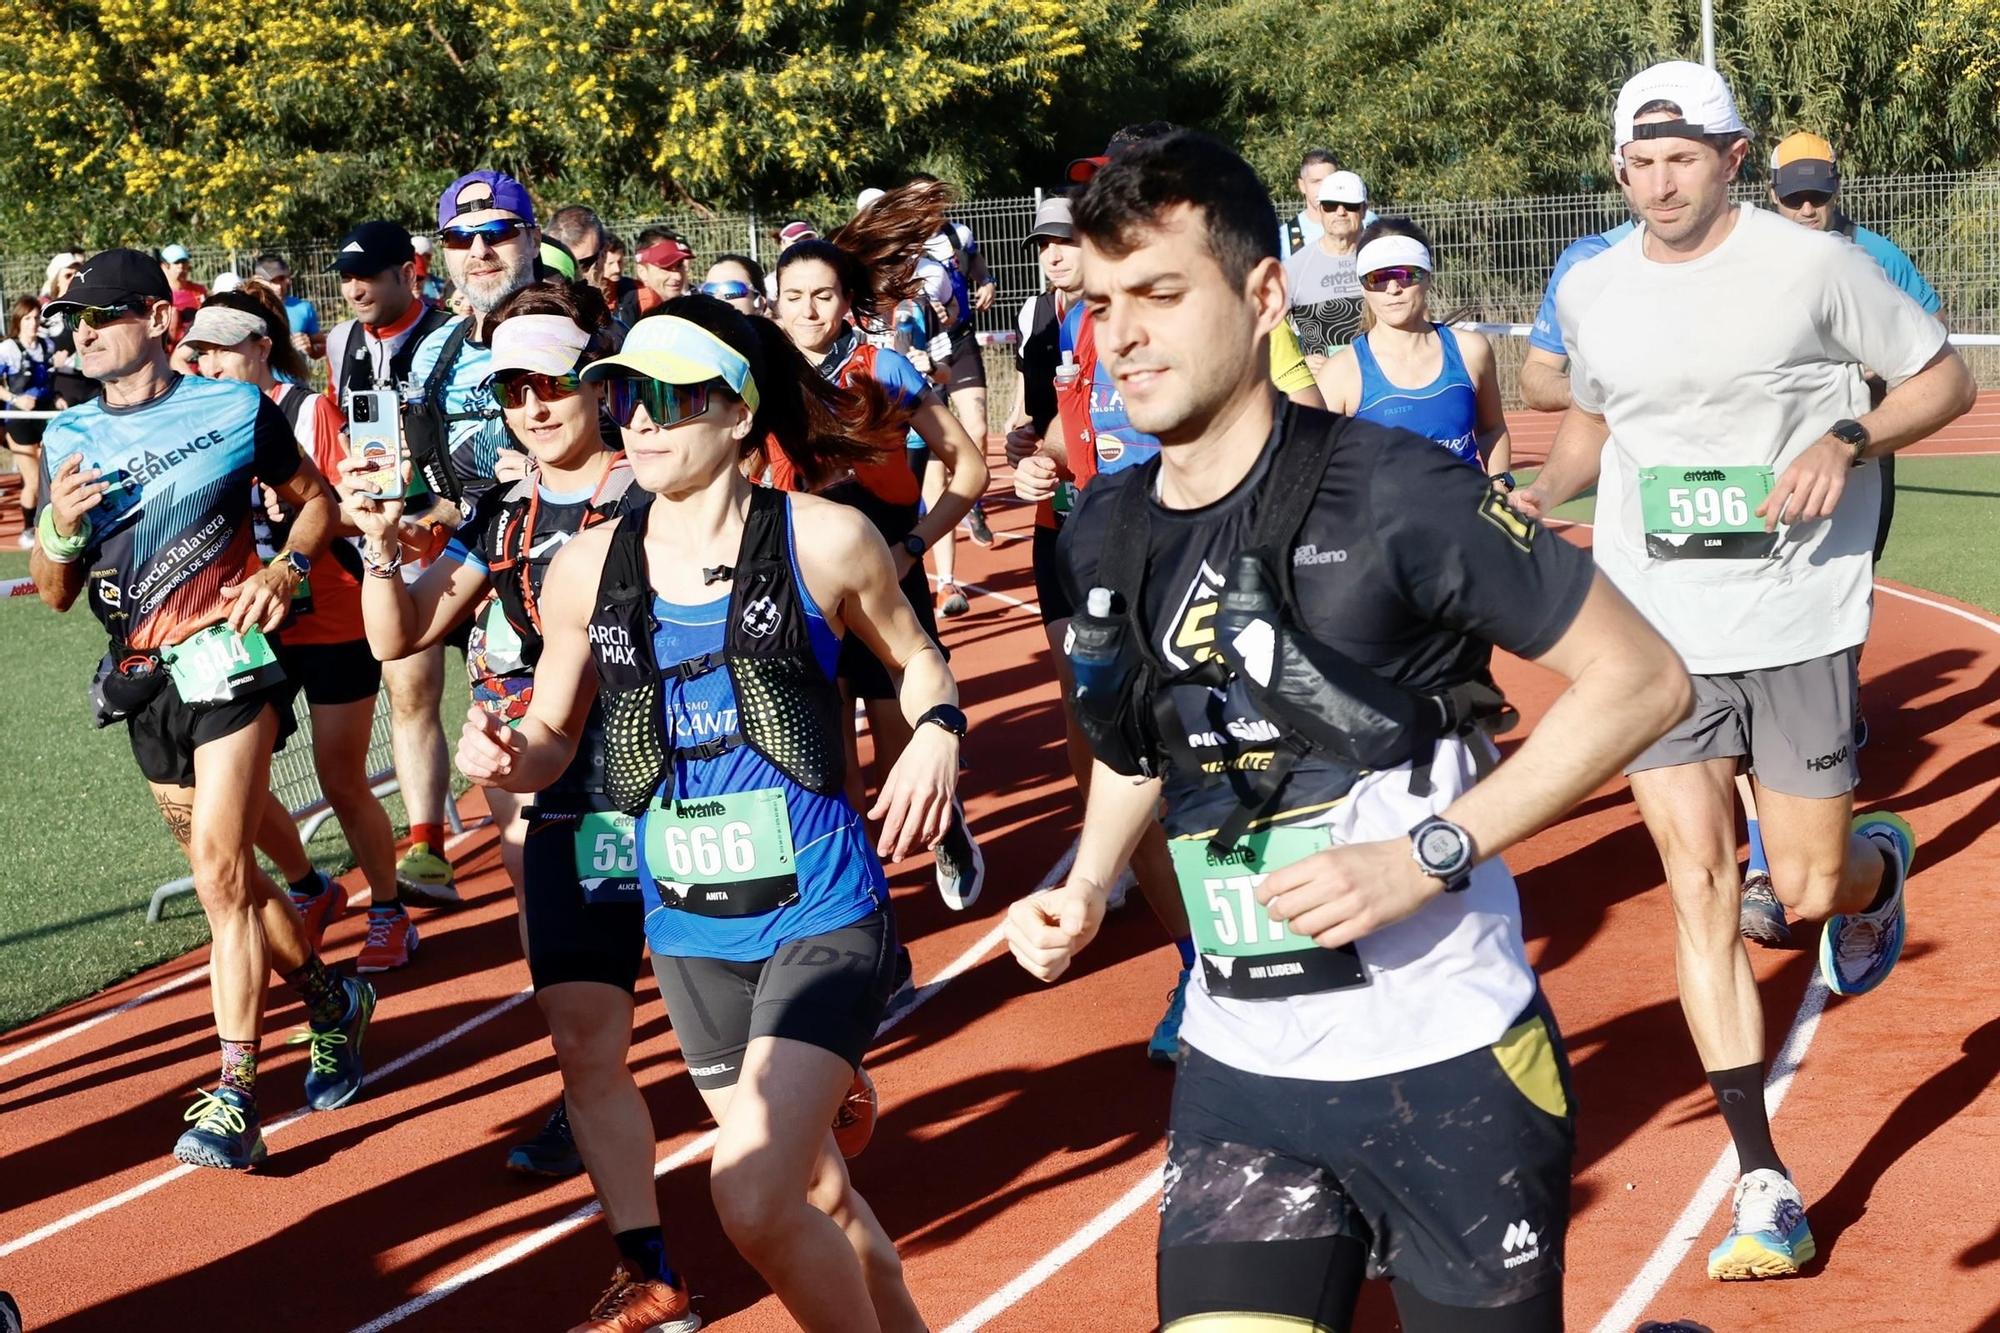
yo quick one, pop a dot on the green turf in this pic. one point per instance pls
(83, 845)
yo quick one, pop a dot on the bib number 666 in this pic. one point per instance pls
(705, 851)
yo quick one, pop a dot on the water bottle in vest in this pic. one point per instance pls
(1095, 640)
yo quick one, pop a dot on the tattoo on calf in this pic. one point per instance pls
(180, 818)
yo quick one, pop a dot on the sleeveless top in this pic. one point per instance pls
(1445, 410)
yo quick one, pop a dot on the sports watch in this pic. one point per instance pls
(297, 563)
(948, 716)
(1854, 435)
(914, 545)
(1443, 851)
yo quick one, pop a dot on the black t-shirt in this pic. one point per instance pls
(1038, 360)
(1408, 563)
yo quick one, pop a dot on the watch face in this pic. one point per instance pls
(1442, 848)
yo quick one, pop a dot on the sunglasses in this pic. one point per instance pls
(495, 233)
(667, 405)
(1342, 208)
(728, 291)
(512, 387)
(1817, 198)
(1408, 276)
(586, 261)
(97, 316)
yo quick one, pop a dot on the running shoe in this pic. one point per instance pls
(320, 909)
(426, 876)
(954, 603)
(333, 1054)
(391, 942)
(854, 1122)
(1768, 1235)
(977, 527)
(226, 1132)
(10, 1314)
(1165, 1047)
(640, 1305)
(552, 1152)
(961, 866)
(1761, 917)
(1857, 950)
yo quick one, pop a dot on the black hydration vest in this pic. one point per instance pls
(356, 367)
(787, 708)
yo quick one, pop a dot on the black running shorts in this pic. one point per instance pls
(166, 732)
(569, 937)
(825, 990)
(965, 368)
(331, 674)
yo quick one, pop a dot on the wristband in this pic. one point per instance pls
(56, 548)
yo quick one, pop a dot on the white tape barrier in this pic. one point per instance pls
(9, 414)
(1523, 330)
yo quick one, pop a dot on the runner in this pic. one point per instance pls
(148, 508)
(1738, 516)
(829, 292)
(27, 384)
(1325, 293)
(962, 370)
(1363, 981)
(569, 852)
(1412, 372)
(766, 909)
(1304, 227)
(737, 281)
(323, 647)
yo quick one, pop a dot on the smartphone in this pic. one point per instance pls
(375, 436)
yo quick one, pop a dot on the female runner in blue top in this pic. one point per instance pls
(1411, 371)
(707, 624)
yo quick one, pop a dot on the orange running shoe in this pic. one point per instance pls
(321, 909)
(631, 1305)
(854, 1122)
(391, 942)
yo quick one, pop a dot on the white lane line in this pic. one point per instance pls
(1046, 1267)
(1970, 617)
(77, 1029)
(1715, 1186)
(169, 1176)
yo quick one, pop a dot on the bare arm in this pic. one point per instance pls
(962, 457)
(403, 618)
(1045, 930)
(73, 493)
(1574, 461)
(264, 598)
(1495, 448)
(1339, 376)
(1545, 381)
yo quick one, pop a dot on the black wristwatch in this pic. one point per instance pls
(948, 716)
(1443, 851)
(1506, 480)
(1854, 435)
(915, 545)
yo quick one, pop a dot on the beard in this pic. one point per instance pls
(486, 292)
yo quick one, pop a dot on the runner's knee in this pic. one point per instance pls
(1809, 885)
(758, 1208)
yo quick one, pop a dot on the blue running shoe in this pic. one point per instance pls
(226, 1131)
(1165, 1047)
(333, 1063)
(1858, 949)
(552, 1152)
(1768, 1235)
(1760, 916)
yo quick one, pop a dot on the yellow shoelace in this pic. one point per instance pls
(211, 1110)
(323, 1058)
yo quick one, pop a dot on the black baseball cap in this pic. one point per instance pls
(115, 277)
(372, 248)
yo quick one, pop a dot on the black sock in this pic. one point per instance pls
(324, 992)
(1740, 1095)
(645, 1253)
(309, 886)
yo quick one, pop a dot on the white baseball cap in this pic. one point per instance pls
(1702, 95)
(1343, 187)
(867, 197)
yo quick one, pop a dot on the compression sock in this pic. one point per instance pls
(1739, 1093)
(239, 1066)
(432, 834)
(309, 887)
(324, 993)
(645, 1253)
(1186, 946)
(1757, 859)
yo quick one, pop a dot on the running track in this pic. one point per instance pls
(1021, 1125)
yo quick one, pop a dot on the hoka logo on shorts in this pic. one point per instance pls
(1521, 1244)
(760, 617)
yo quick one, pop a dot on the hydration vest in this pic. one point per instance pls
(787, 709)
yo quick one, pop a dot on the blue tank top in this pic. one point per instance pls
(840, 878)
(1445, 410)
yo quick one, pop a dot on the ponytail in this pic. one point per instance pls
(875, 254)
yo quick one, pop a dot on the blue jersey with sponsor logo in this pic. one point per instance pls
(473, 425)
(1445, 410)
(1118, 444)
(839, 876)
(175, 525)
(1547, 334)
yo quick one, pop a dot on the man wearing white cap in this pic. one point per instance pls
(176, 263)
(1320, 281)
(1715, 371)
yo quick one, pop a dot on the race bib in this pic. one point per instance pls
(728, 855)
(1245, 955)
(1705, 513)
(607, 857)
(218, 665)
(1064, 499)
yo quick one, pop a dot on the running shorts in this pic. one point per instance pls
(1795, 725)
(965, 368)
(166, 732)
(1453, 1179)
(1051, 589)
(827, 990)
(330, 674)
(570, 937)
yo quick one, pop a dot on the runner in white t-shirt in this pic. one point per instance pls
(1716, 360)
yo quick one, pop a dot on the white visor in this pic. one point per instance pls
(1393, 251)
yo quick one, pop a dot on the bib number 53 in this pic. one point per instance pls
(703, 851)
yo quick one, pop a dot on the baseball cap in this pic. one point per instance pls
(1053, 219)
(371, 248)
(1343, 187)
(226, 281)
(115, 277)
(867, 197)
(794, 232)
(677, 351)
(224, 326)
(1707, 107)
(1083, 168)
(1803, 161)
(502, 192)
(545, 344)
(559, 257)
(664, 254)
(421, 244)
(174, 254)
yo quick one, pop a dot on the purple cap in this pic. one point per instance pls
(506, 194)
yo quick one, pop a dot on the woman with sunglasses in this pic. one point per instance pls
(737, 281)
(581, 921)
(1411, 371)
(831, 293)
(707, 627)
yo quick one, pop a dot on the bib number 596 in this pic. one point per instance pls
(704, 851)
(1708, 507)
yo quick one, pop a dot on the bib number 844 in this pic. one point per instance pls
(1708, 507)
(704, 851)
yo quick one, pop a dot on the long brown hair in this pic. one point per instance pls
(874, 256)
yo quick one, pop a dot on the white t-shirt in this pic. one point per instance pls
(1325, 296)
(1740, 358)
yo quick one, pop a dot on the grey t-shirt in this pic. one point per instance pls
(1325, 296)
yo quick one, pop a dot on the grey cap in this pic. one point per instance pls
(224, 326)
(1052, 219)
